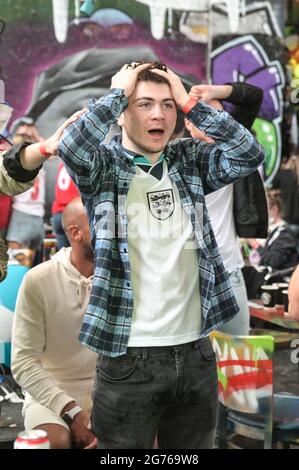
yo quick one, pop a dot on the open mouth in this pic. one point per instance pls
(156, 132)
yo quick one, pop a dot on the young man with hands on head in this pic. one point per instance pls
(159, 284)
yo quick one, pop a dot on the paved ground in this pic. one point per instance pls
(286, 373)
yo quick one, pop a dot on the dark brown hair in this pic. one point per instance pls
(274, 199)
(149, 75)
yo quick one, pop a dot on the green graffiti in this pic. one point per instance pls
(222, 378)
(259, 343)
(267, 135)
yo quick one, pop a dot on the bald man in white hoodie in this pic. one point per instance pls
(55, 371)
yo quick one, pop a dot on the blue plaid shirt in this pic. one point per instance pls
(103, 174)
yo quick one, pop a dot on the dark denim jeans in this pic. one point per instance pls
(166, 391)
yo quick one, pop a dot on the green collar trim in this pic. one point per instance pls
(140, 159)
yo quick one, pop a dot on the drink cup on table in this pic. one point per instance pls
(281, 287)
(269, 295)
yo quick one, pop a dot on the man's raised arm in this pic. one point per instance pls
(235, 154)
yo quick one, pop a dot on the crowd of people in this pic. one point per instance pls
(149, 260)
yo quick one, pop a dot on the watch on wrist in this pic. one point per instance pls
(68, 416)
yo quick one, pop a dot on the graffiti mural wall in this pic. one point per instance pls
(245, 59)
(256, 56)
(49, 57)
(54, 57)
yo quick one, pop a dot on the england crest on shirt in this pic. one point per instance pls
(161, 203)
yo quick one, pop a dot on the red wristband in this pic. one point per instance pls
(189, 105)
(43, 151)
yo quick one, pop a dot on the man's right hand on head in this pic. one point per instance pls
(126, 77)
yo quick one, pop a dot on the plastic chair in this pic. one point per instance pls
(9, 289)
(248, 406)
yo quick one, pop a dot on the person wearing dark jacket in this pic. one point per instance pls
(280, 250)
(239, 209)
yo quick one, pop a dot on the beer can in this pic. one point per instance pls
(35, 439)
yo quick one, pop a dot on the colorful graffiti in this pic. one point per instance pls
(159, 9)
(229, 16)
(33, 46)
(292, 45)
(245, 59)
(245, 370)
(258, 18)
(55, 57)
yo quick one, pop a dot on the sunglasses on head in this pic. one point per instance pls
(154, 65)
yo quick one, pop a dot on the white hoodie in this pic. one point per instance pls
(48, 361)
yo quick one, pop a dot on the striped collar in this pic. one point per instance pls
(140, 159)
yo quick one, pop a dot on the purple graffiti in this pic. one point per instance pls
(245, 60)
